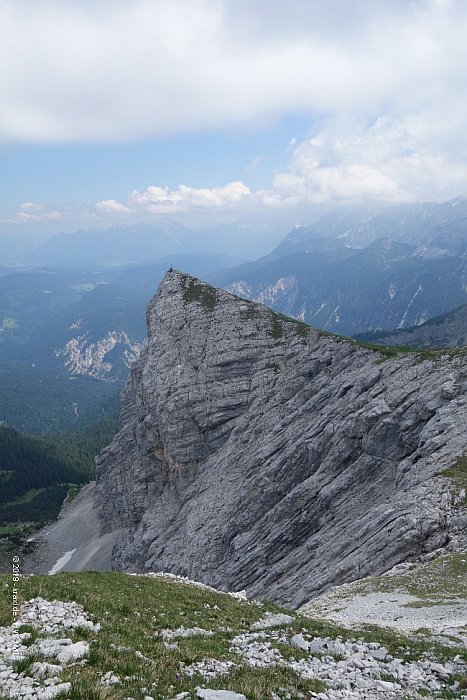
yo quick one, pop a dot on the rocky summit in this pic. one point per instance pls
(257, 453)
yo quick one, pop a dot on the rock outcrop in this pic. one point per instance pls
(101, 358)
(255, 452)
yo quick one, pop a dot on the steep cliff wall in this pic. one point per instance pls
(257, 453)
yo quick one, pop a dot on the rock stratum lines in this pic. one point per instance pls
(257, 453)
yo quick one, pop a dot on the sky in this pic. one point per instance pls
(119, 111)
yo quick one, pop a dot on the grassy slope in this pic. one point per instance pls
(134, 610)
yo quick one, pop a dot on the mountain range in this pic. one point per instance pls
(141, 242)
(432, 228)
(350, 291)
(88, 319)
(253, 452)
(362, 268)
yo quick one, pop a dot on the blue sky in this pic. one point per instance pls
(58, 174)
(123, 111)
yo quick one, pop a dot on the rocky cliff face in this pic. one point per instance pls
(255, 452)
(102, 358)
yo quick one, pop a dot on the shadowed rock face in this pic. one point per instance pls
(256, 453)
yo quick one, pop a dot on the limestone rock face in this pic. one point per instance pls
(255, 452)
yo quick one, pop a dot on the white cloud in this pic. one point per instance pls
(110, 207)
(30, 211)
(156, 200)
(388, 159)
(402, 158)
(161, 200)
(115, 70)
(393, 158)
(386, 81)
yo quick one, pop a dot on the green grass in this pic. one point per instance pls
(442, 580)
(135, 610)
(24, 665)
(457, 471)
(35, 506)
(6, 530)
(302, 329)
(197, 648)
(393, 351)
(204, 294)
(73, 491)
(32, 631)
(25, 497)
(259, 683)
(277, 325)
(276, 328)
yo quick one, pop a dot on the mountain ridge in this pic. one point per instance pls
(350, 292)
(446, 330)
(255, 452)
(432, 228)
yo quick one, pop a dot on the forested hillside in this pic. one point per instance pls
(46, 401)
(36, 472)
